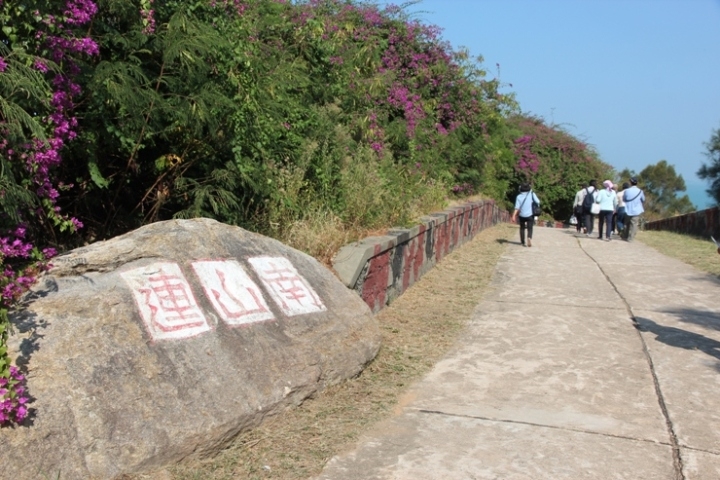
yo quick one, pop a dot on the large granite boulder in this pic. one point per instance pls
(166, 342)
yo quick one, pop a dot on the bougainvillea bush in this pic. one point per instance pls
(555, 163)
(250, 112)
(41, 49)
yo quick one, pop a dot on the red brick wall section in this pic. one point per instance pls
(703, 223)
(455, 236)
(395, 266)
(375, 283)
(443, 240)
(413, 259)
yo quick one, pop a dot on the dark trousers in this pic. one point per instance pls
(605, 218)
(579, 217)
(619, 220)
(589, 219)
(526, 222)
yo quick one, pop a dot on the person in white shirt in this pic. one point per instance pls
(619, 220)
(578, 208)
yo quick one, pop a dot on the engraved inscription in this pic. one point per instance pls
(166, 302)
(292, 293)
(232, 292)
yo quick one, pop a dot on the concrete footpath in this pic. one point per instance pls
(586, 360)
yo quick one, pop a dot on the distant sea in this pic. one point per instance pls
(698, 196)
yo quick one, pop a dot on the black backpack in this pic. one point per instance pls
(588, 200)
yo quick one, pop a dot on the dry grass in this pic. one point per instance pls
(697, 252)
(418, 329)
(320, 233)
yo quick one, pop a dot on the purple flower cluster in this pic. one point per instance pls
(541, 143)
(528, 161)
(12, 397)
(13, 283)
(400, 97)
(148, 17)
(79, 12)
(463, 189)
(56, 41)
(237, 6)
(59, 38)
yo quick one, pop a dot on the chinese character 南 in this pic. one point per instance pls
(290, 291)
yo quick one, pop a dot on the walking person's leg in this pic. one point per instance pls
(634, 224)
(608, 221)
(626, 228)
(523, 223)
(578, 224)
(601, 223)
(620, 218)
(614, 222)
(531, 222)
(588, 223)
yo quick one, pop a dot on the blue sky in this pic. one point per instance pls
(637, 79)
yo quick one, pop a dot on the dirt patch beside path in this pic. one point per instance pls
(418, 329)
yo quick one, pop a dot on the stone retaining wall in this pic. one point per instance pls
(702, 223)
(380, 269)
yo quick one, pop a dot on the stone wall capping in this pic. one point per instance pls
(404, 234)
(428, 221)
(350, 259)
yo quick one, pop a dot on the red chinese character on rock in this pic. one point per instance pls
(292, 293)
(166, 302)
(232, 292)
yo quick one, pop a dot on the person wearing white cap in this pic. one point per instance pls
(608, 204)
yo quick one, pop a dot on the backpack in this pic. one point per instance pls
(588, 200)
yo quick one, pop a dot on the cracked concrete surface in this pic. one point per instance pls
(586, 360)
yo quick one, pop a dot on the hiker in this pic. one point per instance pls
(634, 199)
(620, 213)
(578, 208)
(607, 199)
(524, 209)
(588, 201)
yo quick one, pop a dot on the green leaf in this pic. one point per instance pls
(96, 176)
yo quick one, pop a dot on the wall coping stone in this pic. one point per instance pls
(351, 258)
